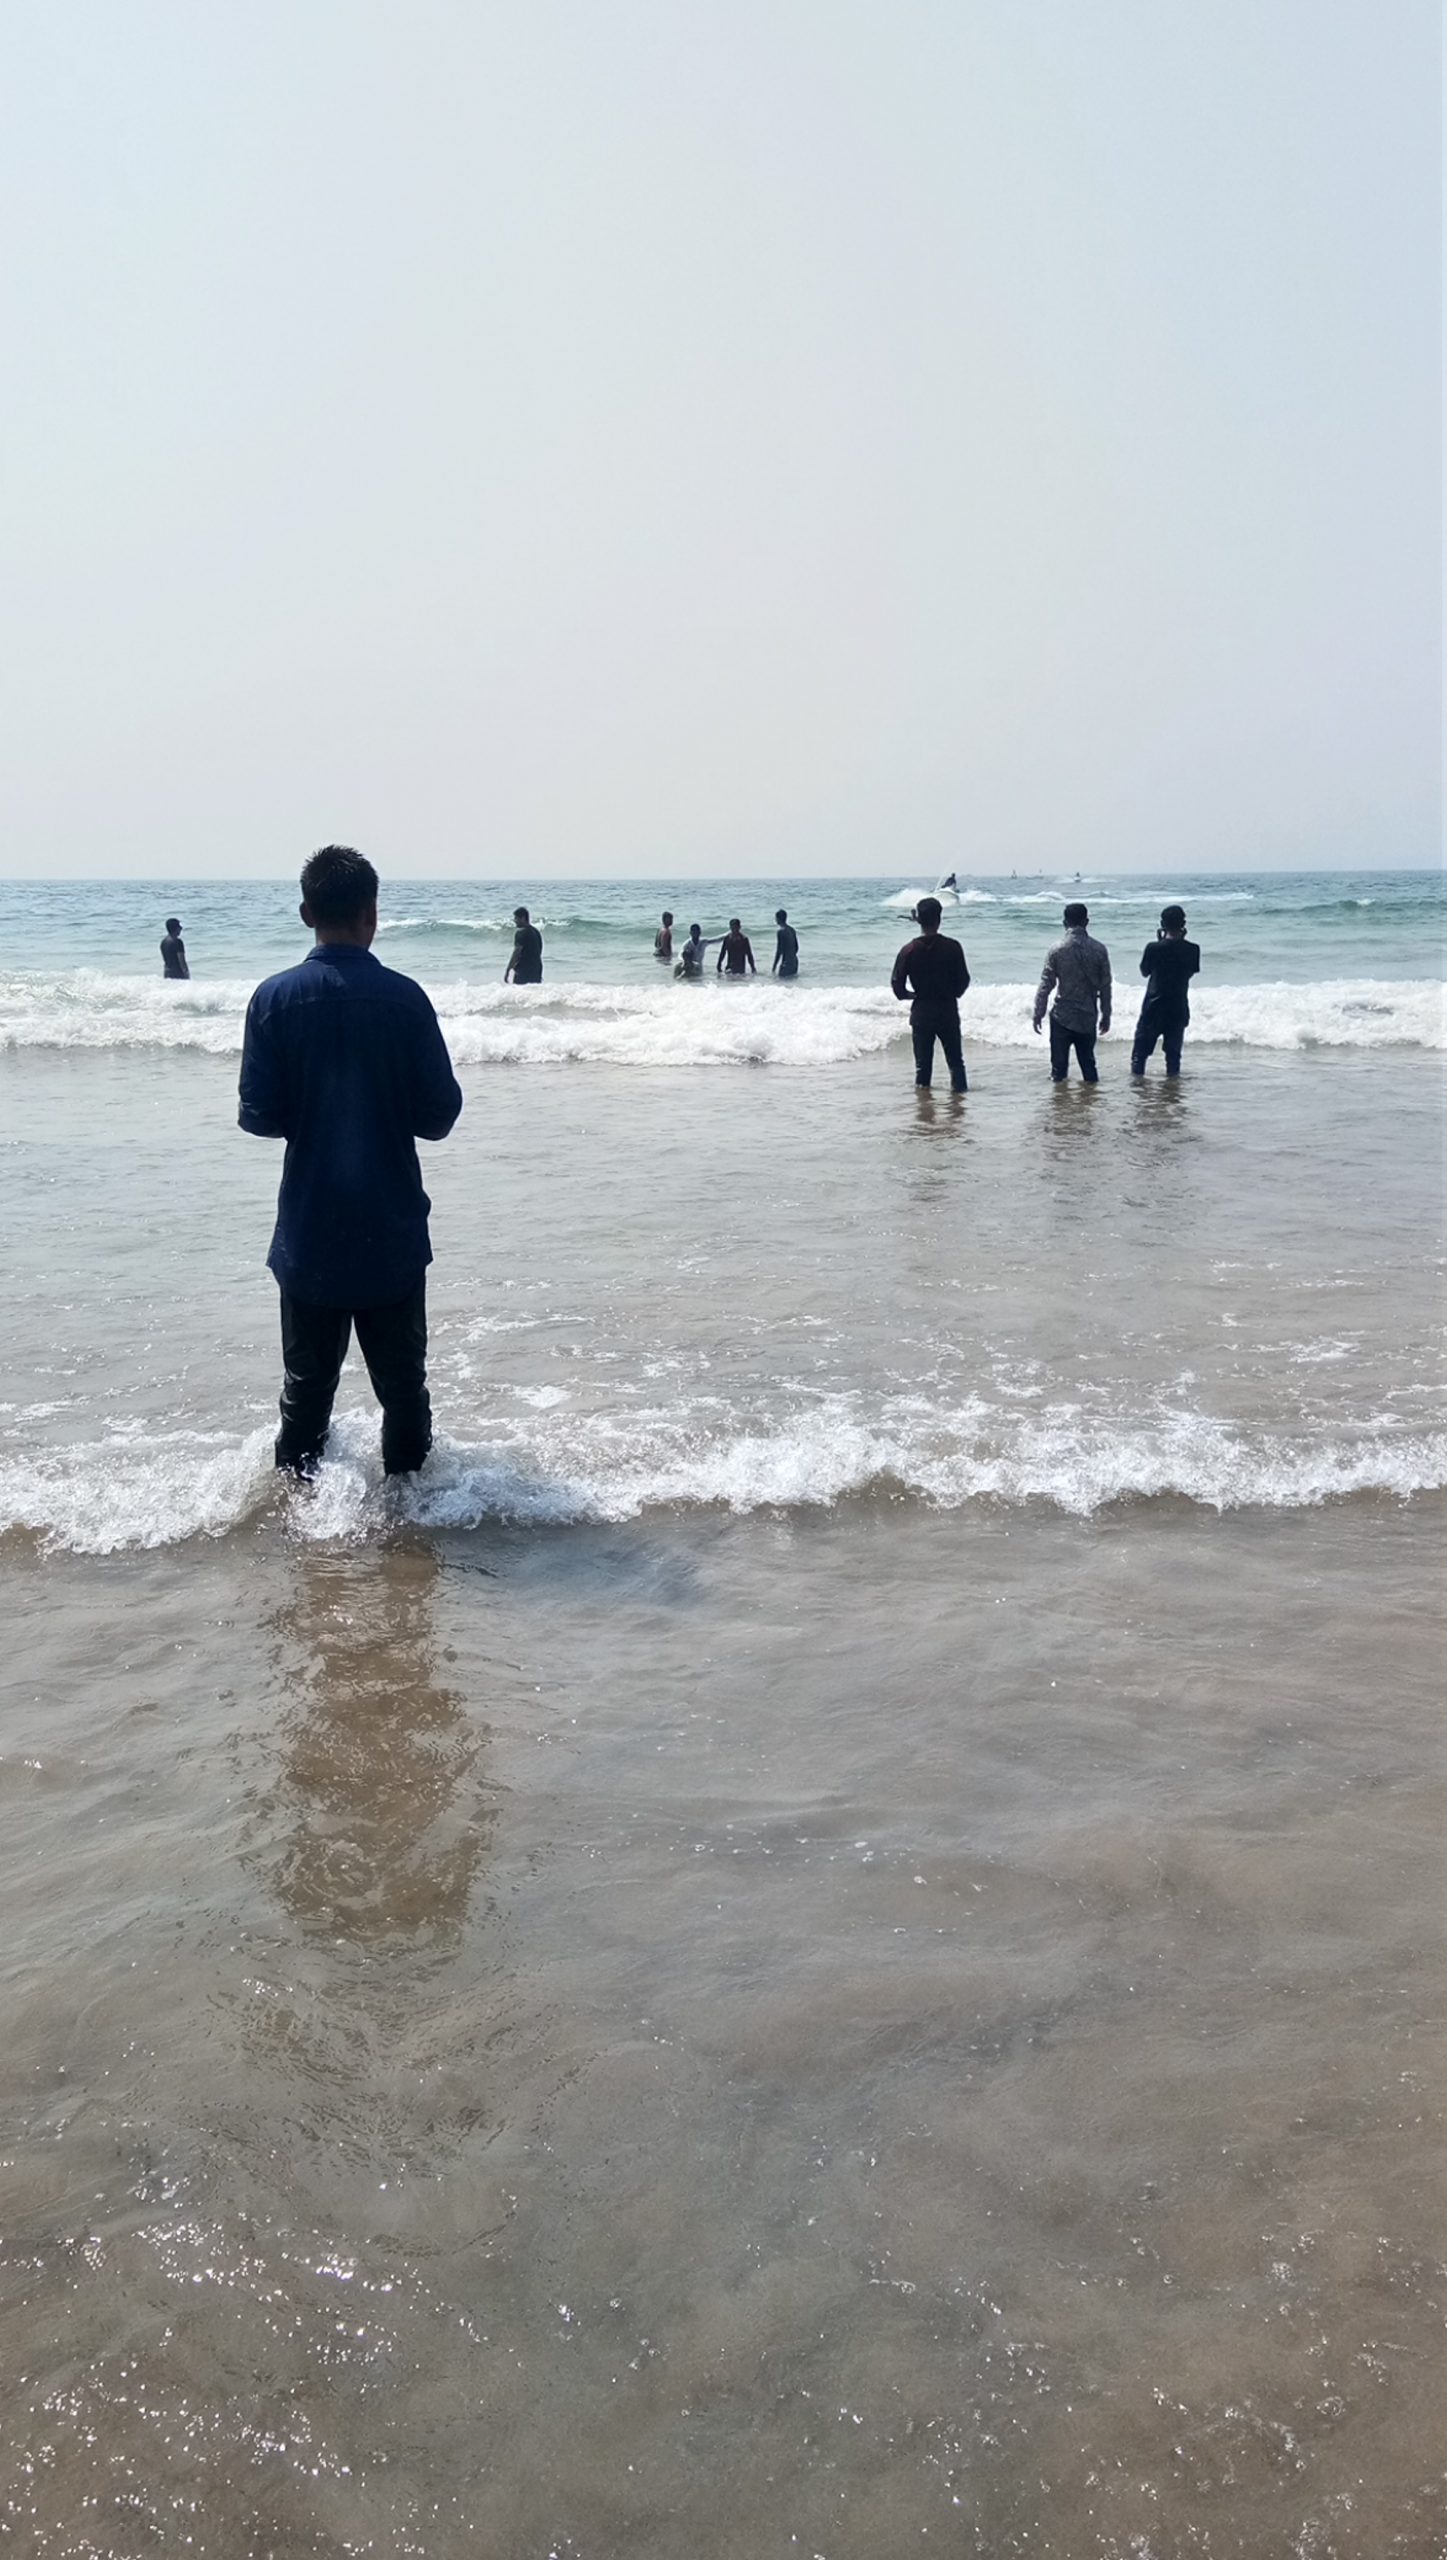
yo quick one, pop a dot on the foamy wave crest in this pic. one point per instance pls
(144, 1493)
(666, 1024)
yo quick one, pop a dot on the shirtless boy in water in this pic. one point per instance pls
(735, 952)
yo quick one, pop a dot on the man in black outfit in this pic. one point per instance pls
(932, 971)
(1168, 965)
(525, 968)
(344, 1059)
(174, 963)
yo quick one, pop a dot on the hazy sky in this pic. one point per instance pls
(584, 436)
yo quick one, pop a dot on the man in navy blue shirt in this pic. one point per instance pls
(344, 1059)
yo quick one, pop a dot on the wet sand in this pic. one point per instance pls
(813, 2033)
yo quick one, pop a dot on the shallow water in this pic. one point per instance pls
(812, 2032)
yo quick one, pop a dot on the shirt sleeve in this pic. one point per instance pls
(1105, 989)
(262, 1109)
(900, 979)
(1047, 980)
(436, 1093)
(961, 971)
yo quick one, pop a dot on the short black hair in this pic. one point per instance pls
(928, 912)
(668, 915)
(734, 925)
(1077, 912)
(781, 915)
(520, 916)
(1173, 919)
(173, 924)
(695, 930)
(338, 884)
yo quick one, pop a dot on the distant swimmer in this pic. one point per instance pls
(1078, 969)
(1168, 965)
(786, 946)
(525, 968)
(345, 1060)
(689, 963)
(735, 952)
(932, 971)
(174, 963)
(663, 938)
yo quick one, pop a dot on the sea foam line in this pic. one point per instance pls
(671, 1025)
(130, 1491)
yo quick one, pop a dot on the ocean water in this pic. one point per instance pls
(826, 1935)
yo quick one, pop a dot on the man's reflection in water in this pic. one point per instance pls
(379, 1815)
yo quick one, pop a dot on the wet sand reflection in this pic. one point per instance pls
(379, 1815)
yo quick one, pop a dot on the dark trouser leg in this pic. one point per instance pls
(1147, 1033)
(949, 1039)
(393, 1342)
(1085, 1052)
(1172, 1034)
(1059, 1051)
(923, 1036)
(313, 1346)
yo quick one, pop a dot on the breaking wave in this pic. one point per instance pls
(131, 1491)
(667, 1024)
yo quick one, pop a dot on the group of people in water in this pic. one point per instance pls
(931, 975)
(346, 1062)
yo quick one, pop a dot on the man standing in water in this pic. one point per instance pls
(663, 938)
(735, 952)
(786, 946)
(174, 963)
(1168, 964)
(931, 970)
(689, 963)
(344, 1059)
(525, 968)
(1079, 971)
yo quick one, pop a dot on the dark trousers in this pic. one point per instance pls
(392, 1341)
(1153, 1026)
(1062, 1042)
(942, 1024)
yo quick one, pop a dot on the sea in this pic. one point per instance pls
(827, 1934)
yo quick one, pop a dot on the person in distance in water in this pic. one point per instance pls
(931, 971)
(786, 946)
(525, 968)
(1168, 965)
(735, 952)
(689, 963)
(1078, 969)
(174, 963)
(345, 1060)
(663, 938)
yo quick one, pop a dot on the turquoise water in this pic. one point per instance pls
(1296, 926)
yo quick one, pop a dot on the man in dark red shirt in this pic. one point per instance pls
(932, 972)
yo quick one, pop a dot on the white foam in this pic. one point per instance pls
(713, 1024)
(127, 1492)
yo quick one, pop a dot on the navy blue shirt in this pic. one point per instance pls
(1170, 963)
(344, 1059)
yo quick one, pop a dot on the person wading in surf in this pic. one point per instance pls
(1168, 965)
(345, 1060)
(525, 968)
(735, 952)
(174, 963)
(1079, 971)
(931, 970)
